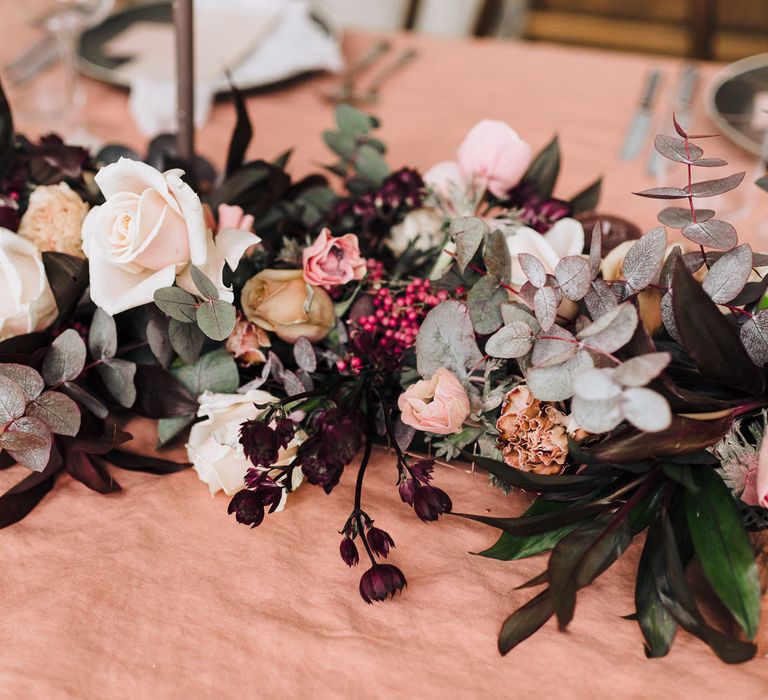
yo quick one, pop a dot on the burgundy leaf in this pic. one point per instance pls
(710, 338)
(713, 234)
(710, 188)
(144, 463)
(676, 149)
(728, 275)
(679, 217)
(663, 193)
(20, 499)
(94, 476)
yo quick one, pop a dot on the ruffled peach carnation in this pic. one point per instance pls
(53, 219)
(247, 341)
(532, 435)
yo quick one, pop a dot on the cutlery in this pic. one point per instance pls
(371, 95)
(687, 81)
(641, 121)
(345, 90)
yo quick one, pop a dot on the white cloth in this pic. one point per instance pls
(293, 44)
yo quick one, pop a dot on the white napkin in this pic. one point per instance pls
(281, 41)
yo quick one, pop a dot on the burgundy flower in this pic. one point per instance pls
(431, 502)
(247, 507)
(260, 443)
(407, 488)
(316, 469)
(380, 581)
(285, 429)
(422, 470)
(269, 492)
(348, 551)
(379, 541)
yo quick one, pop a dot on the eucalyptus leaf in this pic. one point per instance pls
(177, 303)
(680, 217)
(612, 330)
(496, 256)
(754, 336)
(511, 341)
(663, 193)
(370, 165)
(28, 440)
(118, 376)
(710, 188)
(158, 337)
(446, 338)
(304, 354)
(206, 288)
(216, 319)
(642, 369)
(186, 339)
(86, 399)
(677, 149)
(533, 269)
(728, 275)
(714, 233)
(574, 276)
(555, 347)
(555, 383)
(644, 259)
(646, 409)
(600, 299)
(484, 301)
(102, 336)
(27, 378)
(57, 411)
(65, 358)
(13, 400)
(215, 371)
(352, 121)
(545, 307)
(468, 233)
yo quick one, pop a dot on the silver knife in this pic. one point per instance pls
(687, 81)
(641, 122)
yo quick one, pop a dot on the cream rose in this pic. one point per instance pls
(146, 234)
(26, 300)
(282, 302)
(54, 218)
(214, 444)
(423, 227)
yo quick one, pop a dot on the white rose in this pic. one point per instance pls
(54, 218)
(146, 234)
(214, 444)
(565, 238)
(26, 300)
(424, 226)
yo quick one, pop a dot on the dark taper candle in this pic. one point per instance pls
(184, 20)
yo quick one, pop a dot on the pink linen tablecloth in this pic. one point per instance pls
(156, 592)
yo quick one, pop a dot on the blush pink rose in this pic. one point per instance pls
(330, 261)
(437, 405)
(232, 216)
(494, 155)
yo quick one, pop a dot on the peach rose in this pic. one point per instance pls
(493, 155)
(27, 303)
(330, 261)
(438, 405)
(146, 234)
(281, 301)
(532, 435)
(54, 218)
(245, 343)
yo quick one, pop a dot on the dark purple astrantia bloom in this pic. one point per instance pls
(380, 581)
(380, 541)
(260, 443)
(348, 551)
(247, 507)
(430, 503)
(285, 429)
(407, 489)
(422, 470)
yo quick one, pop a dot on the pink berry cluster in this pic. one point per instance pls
(384, 335)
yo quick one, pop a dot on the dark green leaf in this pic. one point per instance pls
(370, 165)
(242, 134)
(144, 463)
(68, 277)
(216, 319)
(343, 145)
(656, 623)
(6, 133)
(723, 547)
(580, 557)
(169, 428)
(681, 473)
(543, 171)
(677, 598)
(526, 620)
(85, 399)
(160, 395)
(510, 547)
(352, 121)
(538, 483)
(206, 288)
(587, 199)
(710, 338)
(683, 435)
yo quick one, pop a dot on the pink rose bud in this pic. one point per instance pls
(437, 405)
(493, 155)
(330, 261)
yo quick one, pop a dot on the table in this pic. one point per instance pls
(156, 592)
